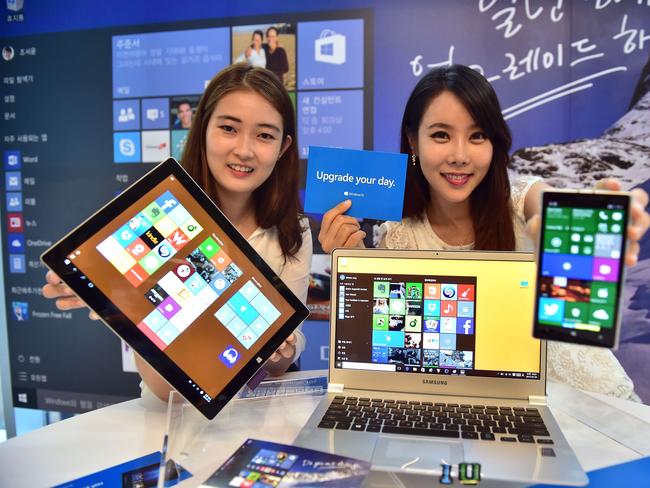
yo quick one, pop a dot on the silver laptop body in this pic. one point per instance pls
(460, 409)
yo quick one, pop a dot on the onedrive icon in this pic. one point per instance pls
(330, 47)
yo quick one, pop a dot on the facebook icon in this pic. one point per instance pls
(465, 325)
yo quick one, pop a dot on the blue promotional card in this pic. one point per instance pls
(374, 181)
(260, 464)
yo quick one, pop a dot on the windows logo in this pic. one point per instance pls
(330, 47)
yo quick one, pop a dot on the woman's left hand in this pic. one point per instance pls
(638, 223)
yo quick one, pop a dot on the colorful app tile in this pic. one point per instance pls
(431, 324)
(165, 226)
(577, 267)
(432, 291)
(16, 243)
(243, 308)
(153, 213)
(603, 292)
(247, 338)
(209, 247)
(448, 308)
(448, 325)
(583, 220)
(179, 139)
(14, 202)
(167, 202)
(221, 260)
(413, 307)
(402, 355)
(380, 306)
(225, 314)
(396, 323)
(184, 270)
(151, 262)
(155, 320)
(260, 326)
(431, 340)
(576, 312)
(379, 354)
(126, 147)
(413, 323)
(265, 308)
(431, 358)
(466, 292)
(168, 333)
(156, 146)
(456, 359)
(556, 242)
(164, 250)
(465, 309)
(152, 237)
(179, 215)
(414, 291)
(605, 269)
(183, 297)
(136, 275)
(219, 283)
(232, 272)
(608, 246)
(449, 292)
(447, 341)
(156, 295)
(20, 311)
(195, 283)
(551, 310)
(178, 239)
(602, 315)
(432, 307)
(229, 356)
(155, 113)
(397, 306)
(17, 264)
(380, 322)
(139, 224)
(15, 222)
(13, 181)
(558, 218)
(12, 160)
(125, 236)
(111, 249)
(397, 290)
(168, 308)
(381, 289)
(236, 326)
(191, 228)
(464, 325)
(412, 340)
(387, 338)
(207, 295)
(126, 114)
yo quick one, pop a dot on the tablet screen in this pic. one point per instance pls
(167, 271)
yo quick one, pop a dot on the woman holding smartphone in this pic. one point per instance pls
(458, 196)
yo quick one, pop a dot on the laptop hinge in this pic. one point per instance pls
(537, 400)
(335, 387)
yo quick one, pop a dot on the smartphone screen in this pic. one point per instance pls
(580, 266)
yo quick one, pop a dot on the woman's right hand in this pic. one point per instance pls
(65, 298)
(340, 230)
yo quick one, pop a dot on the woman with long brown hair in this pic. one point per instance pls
(241, 149)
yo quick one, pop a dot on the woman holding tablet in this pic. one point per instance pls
(459, 197)
(242, 151)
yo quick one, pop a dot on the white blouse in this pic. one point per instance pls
(587, 368)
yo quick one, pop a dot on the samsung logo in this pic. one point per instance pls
(434, 382)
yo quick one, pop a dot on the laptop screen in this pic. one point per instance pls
(439, 316)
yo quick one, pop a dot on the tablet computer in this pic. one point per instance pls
(171, 276)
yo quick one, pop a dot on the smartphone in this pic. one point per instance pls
(581, 264)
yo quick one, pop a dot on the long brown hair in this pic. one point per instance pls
(276, 201)
(490, 203)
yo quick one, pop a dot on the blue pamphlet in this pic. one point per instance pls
(374, 181)
(261, 464)
(142, 471)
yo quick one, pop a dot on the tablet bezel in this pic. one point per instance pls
(55, 258)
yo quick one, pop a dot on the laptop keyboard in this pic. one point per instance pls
(452, 420)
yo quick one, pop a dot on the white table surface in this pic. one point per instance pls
(97, 440)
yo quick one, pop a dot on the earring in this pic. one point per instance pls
(414, 159)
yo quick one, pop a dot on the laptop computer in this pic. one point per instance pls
(433, 366)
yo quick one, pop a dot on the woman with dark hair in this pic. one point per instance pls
(242, 151)
(255, 55)
(458, 196)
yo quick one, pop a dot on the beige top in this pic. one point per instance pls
(587, 368)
